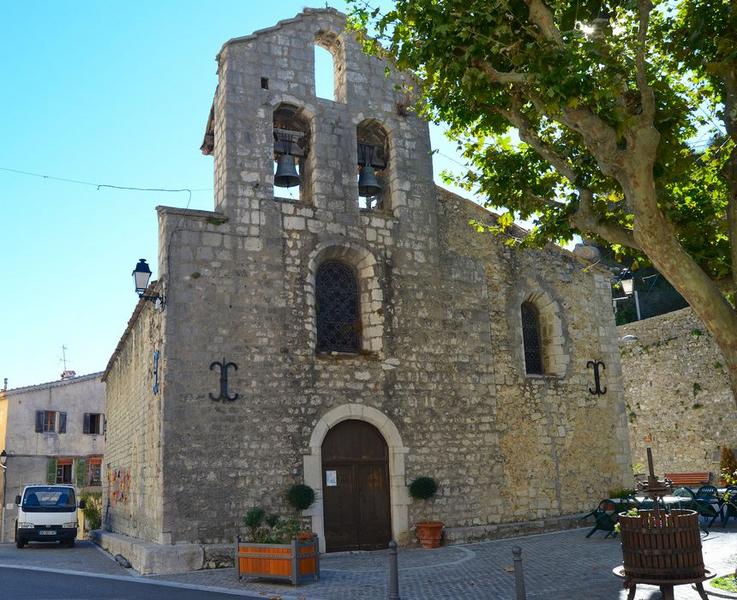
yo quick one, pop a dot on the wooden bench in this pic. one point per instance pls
(689, 479)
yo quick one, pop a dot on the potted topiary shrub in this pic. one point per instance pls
(429, 533)
(301, 497)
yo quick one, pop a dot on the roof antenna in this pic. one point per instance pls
(66, 373)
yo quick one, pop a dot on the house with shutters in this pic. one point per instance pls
(52, 433)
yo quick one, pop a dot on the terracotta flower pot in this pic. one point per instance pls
(429, 533)
(305, 535)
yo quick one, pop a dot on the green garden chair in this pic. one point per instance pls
(605, 518)
(708, 492)
(689, 498)
(729, 507)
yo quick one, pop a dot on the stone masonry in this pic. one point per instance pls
(441, 368)
(677, 392)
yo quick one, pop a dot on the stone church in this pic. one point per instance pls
(354, 337)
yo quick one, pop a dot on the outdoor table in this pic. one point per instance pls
(667, 501)
(647, 504)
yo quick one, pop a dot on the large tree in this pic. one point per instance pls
(612, 120)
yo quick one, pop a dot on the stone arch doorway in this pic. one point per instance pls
(315, 477)
(356, 502)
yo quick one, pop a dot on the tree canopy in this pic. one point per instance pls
(613, 120)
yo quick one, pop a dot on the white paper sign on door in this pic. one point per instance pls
(331, 478)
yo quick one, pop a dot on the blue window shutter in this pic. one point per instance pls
(39, 421)
(62, 422)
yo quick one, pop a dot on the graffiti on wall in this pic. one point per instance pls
(119, 483)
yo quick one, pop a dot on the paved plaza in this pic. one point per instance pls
(558, 566)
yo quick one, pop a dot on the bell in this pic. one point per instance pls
(368, 185)
(286, 172)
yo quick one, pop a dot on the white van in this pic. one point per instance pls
(46, 513)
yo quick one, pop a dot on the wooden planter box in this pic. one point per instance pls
(295, 562)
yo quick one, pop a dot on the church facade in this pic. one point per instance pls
(354, 337)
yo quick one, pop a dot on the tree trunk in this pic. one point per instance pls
(655, 236)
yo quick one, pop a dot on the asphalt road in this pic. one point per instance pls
(28, 584)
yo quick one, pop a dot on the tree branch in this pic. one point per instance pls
(500, 76)
(599, 138)
(729, 170)
(541, 16)
(586, 220)
(647, 97)
(528, 135)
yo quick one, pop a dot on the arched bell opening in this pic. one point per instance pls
(372, 160)
(291, 150)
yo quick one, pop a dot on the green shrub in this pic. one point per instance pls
(301, 496)
(728, 466)
(283, 531)
(92, 510)
(423, 488)
(272, 520)
(270, 529)
(621, 492)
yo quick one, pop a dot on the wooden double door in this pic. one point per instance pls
(356, 503)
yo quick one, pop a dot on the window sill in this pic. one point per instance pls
(295, 201)
(543, 376)
(346, 355)
(378, 212)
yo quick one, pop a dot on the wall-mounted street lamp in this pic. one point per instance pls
(628, 287)
(141, 275)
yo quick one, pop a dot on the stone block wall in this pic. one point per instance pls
(132, 469)
(559, 446)
(677, 393)
(448, 373)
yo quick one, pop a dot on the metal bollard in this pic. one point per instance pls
(393, 593)
(519, 576)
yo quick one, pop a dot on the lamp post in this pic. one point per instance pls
(141, 276)
(3, 464)
(628, 287)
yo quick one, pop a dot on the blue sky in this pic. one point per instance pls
(112, 93)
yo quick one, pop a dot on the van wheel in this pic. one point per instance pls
(68, 543)
(19, 543)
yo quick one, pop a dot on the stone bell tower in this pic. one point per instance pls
(265, 107)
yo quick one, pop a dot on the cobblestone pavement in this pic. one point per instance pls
(84, 557)
(558, 566)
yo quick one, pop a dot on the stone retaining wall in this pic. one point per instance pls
(677, 393)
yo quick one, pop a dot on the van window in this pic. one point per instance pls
(48, 499)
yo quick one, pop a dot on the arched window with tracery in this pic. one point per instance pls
(531, 339)
(337, 308)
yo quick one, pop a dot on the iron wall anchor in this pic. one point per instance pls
(224, 381)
